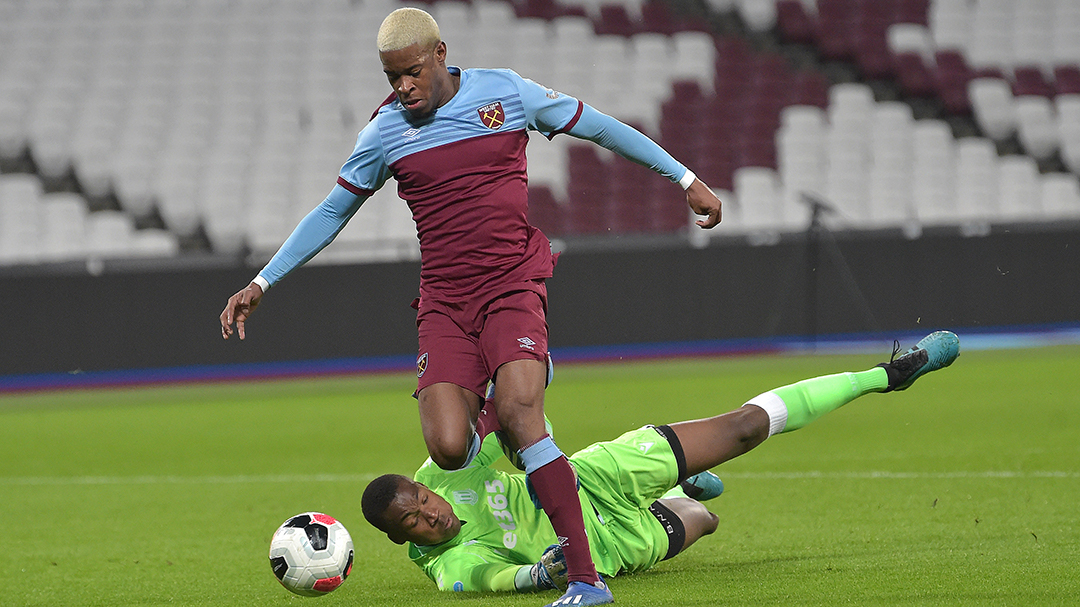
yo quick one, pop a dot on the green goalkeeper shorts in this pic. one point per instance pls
(622, 478)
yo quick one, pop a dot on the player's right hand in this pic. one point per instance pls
(239, 309)
(703, 201)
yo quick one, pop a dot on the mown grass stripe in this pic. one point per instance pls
(364, 478)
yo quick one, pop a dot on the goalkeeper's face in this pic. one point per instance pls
(420, 516)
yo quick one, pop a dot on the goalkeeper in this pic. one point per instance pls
(478, 529)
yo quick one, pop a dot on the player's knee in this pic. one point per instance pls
(751, 426)
(711, 523)
(521, 418)
(696, 519)
(449, 452)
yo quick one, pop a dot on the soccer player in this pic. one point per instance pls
(477, 529)
(454, 139)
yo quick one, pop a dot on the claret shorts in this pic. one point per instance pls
(465, 344)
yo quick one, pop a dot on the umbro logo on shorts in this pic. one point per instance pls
(527, 343)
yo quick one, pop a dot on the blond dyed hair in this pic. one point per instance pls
(406, 27)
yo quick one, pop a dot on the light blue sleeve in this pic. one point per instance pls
(313, 233)
(550, 113)
(362, 174)
(626, 141)
(366, 170)
(546, 110)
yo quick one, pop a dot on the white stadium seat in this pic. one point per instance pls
(1037, 126)
(1065, 32)
(933, 173)
(109, 234)
(976, 180)
(1030, 42)
(991, 42)
(1068, 111)
(950, 23)
(20, 218)
(994, 106)
(911, 38)
(760, 15)
(1020, 189)
(63, 235)
(1060, 196)
(800, 144)
(758, 200)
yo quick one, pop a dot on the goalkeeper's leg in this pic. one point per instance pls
(709, 442)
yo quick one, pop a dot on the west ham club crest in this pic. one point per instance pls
(492, 115)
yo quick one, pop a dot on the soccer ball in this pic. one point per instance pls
(311, 554)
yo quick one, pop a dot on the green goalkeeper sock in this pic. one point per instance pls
(792, 407)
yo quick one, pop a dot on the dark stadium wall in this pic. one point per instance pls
(151, 319)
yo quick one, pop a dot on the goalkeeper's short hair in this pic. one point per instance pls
(378, 496)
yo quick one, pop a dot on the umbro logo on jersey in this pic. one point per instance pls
(527, 343)
(411, 133)
(644, 447)
(492, 115)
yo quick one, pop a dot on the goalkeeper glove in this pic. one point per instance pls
(550, 572)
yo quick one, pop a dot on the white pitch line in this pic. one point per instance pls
(364, 478)
(186, 480)
(988, 474)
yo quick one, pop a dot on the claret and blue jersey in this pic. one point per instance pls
(489, 102)
(462, 170)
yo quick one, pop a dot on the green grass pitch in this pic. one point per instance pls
(964, 490)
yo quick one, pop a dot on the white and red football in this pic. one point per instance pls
(311, 554)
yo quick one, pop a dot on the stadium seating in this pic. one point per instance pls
(1004, 62)
(39, 227)
(226, 122)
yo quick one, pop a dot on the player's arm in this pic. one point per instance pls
(551, 113)
(478, 569)
(316, 230)
(311, 235)
(628, 142)
(363, 174)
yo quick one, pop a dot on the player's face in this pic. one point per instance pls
(419, 77)
(420, 516)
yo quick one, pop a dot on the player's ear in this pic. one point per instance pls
(440, 52)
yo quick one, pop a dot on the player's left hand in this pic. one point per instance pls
(240, 307)
(703, 201)
(550, 572)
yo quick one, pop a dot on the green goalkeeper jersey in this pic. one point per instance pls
(503, 531)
